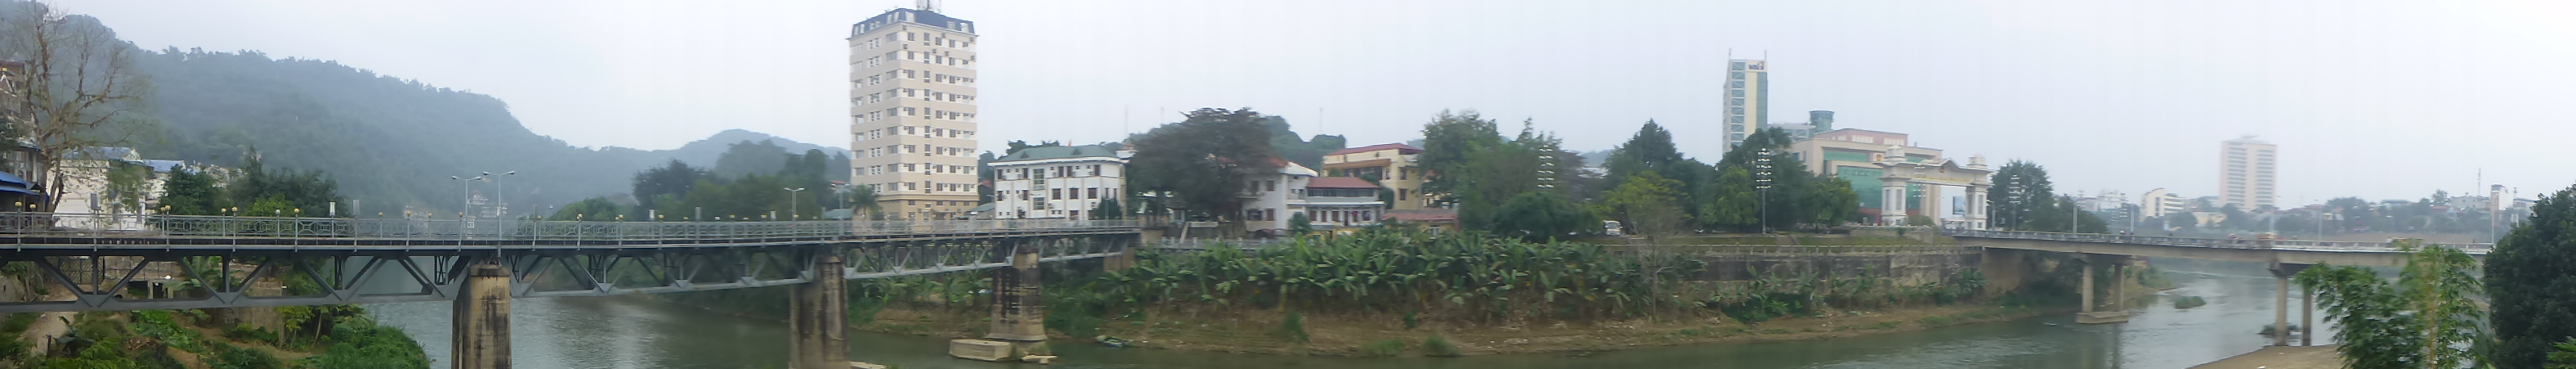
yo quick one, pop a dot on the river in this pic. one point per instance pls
(568, 333)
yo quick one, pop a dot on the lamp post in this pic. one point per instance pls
(791, 201)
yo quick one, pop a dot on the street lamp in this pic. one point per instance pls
(791, 201)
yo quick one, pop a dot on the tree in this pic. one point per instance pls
(2021, 198)
(1731, 203)
(1540, 215)
(1449, 144)
(2530, 284)
(1648, 203)
(1200, 164)
(591, 209)
(1299, 224)
(1109, 209)
(188, 192)
(79, 85)
(2425, 320)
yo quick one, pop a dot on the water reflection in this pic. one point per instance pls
(642, 333)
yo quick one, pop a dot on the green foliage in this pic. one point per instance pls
(1437, 345)
(1646, 202)
(591, 209)
(1299, 224)
(1450, 143)
(1202, 163)
(1389, 347)
(2187, 302)
(1293, 329)
(2563, 355)
(2425, 320)
(1542, 215)
(1309, 153)
(1467, 278)
(2527, 279)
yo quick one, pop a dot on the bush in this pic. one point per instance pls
(2187, 302)
(1437, 345)
(1294, 329)
(246, 332)
(1390, 347)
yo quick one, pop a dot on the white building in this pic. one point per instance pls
(1058, 182)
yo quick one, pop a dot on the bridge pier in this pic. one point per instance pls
(482, 319)
(2281, 274)
(817, 317)
(2119, 311)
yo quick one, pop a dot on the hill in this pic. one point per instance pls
(388, 140)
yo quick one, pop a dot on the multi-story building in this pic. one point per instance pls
(2158, 202)
(1392, 164)
(912, 112)
(1748, 95)
(2245, 168)
(1058, 182)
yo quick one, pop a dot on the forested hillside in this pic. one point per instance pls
(389, 141)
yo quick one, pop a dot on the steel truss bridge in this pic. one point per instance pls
(135, 262)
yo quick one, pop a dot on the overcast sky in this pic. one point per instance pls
(2368, 98)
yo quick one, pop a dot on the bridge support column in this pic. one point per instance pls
(2281, 273)
(2118, 312)
(1019, 313)
(482, 319)
(817, 318)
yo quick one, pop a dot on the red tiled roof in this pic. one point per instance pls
(1400, 148)
(1339, 182)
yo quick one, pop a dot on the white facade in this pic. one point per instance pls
(912, 112)
(1059, 186)
(1269, 199)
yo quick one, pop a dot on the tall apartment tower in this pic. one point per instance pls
(1748, 99)
(2245, 167)
(912, 112)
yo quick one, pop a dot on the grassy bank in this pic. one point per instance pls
(1380, 294)
(189, 339)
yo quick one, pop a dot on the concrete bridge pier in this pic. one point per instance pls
(482, 319)
(817, 317)
(2119, 311)
(1018, 330)
(2281, 274)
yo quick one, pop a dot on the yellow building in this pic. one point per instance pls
(1393, 165)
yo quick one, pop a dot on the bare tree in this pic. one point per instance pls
(80, 90)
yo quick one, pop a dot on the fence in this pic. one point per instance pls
(147, 226)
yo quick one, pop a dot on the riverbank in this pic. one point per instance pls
(1258, 331)
(2282, 357)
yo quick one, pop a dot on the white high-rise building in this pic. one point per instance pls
(1748, 99)
(2245, 168)
(912, 112)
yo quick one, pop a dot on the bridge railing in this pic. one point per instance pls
(2473, 248)
(133, 225)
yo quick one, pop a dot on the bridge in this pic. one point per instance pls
(2286, 257)
(146, 262)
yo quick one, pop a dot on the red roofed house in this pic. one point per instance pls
(1392, 164)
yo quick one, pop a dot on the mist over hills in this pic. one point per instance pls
(388, 140)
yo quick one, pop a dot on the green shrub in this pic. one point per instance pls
(2187, 302)
(1293, 329)
(1390, 347)
(1437, 345)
